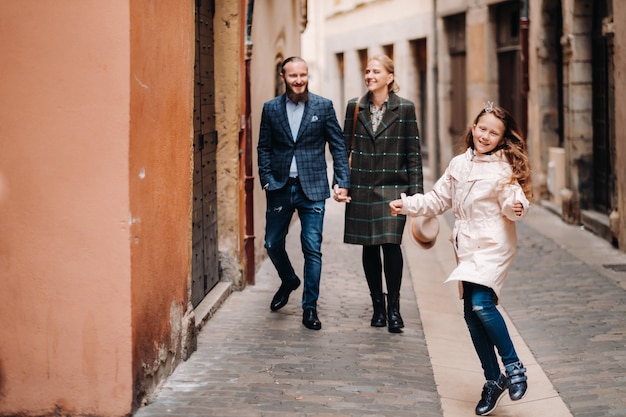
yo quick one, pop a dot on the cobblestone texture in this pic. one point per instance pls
(573, 317)
(251, 362)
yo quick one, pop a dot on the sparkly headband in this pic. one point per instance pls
(488, 107)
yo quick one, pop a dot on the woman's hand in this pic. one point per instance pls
(341, 194)
(518, 208)
(395, 207)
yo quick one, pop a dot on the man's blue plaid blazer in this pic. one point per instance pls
(276, 147)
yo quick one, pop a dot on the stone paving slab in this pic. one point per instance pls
(456, 367)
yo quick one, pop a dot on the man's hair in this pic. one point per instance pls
(288, 60)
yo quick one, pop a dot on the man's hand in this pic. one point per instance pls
(341, 194)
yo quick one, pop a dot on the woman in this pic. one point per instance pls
(488, 187)
(385, 161)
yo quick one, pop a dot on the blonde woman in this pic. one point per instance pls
(386, 161)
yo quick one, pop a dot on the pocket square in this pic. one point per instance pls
(314, 119)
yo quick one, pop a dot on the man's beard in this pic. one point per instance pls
(297, 98)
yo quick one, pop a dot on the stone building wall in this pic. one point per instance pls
(462, 37)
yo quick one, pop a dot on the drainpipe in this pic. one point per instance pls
(248, 241)
(437, 153)
(524, 25)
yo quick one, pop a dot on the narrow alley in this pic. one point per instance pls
(565, 303)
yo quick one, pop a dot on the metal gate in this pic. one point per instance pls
(204, 269)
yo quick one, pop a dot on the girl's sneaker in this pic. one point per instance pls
(492, 393)
(516, 376)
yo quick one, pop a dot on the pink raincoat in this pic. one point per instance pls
(479, 191)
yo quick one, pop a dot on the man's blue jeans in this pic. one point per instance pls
(281, 205)
(487, 329)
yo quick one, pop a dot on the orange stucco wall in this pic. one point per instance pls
(65, 319)
(161, 79)
(96, 107)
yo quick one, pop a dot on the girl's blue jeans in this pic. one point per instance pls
(487, 329)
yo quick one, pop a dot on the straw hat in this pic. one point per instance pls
(424, 231)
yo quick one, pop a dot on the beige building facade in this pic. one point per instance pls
(344, 33)
(554, 64)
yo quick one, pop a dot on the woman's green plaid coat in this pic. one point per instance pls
(384, 165)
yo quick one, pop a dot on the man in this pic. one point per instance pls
(295, 128)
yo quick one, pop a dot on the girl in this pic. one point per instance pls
(381, 131)
(489, 189)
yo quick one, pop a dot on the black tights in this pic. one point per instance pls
(373, 267)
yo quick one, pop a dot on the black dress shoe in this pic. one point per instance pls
(310, 320)
(282, 295)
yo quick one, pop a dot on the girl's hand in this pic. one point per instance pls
(518, 208)
(395, 207)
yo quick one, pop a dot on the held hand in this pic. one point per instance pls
(341, 194)
(395, 207)
(518, 208)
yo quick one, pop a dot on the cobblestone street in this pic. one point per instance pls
(565, 308)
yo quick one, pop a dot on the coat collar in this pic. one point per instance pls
(390, 116)
(497, 156)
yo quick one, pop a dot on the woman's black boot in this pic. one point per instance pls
(516, 375)
(491, 395)
(395, 323)
(379, 318)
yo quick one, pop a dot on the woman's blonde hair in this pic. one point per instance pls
(388, 65)
(513, 145)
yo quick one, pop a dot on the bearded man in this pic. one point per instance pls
(295, 128)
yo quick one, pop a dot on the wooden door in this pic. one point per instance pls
(204, 270)
(603, 145)
(508, 42)
(458, 80)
